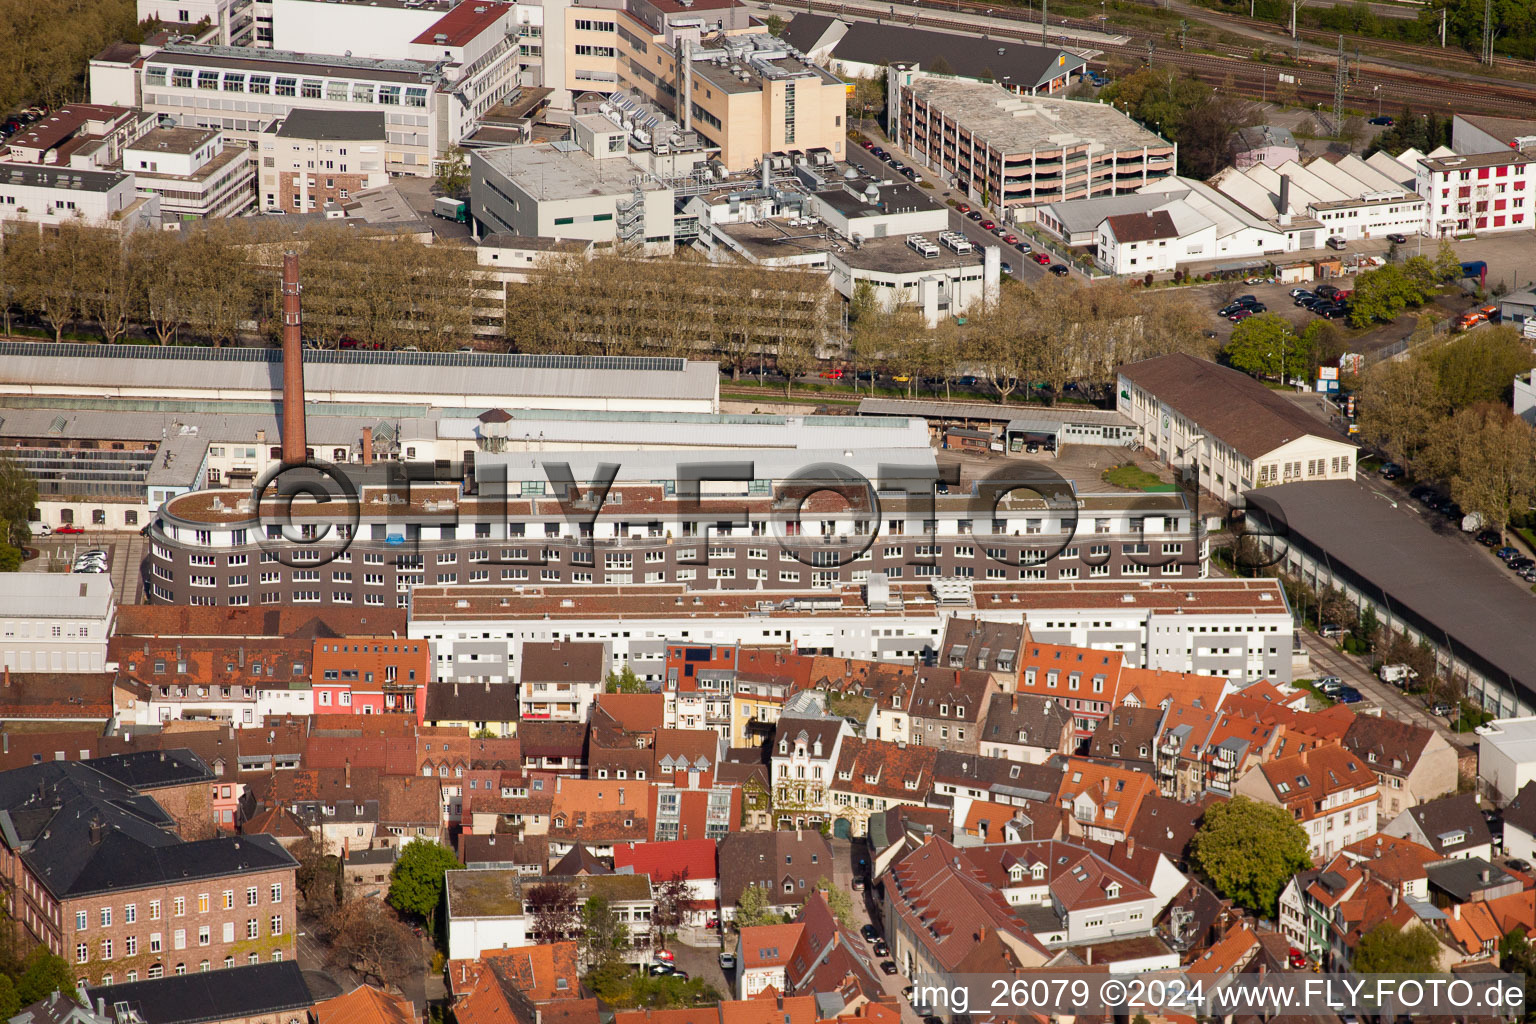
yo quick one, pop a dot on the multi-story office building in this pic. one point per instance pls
(50, 196)
(55, 622)
(314, 157)
(1477, 192)
(507, 523)
(193, 172)
(1022, 151)
(242, 91)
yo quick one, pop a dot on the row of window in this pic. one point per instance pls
(178, 906)
(286, 85)
(158, 970)
(130, 943)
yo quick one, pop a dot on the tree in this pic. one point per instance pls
(18, 496)
(774, 24)
(1370, 626)
(868, 94)
(554, 911)
(1400, 402)
(1480, 367)
(1489, 455)
(794, 358)
(1383, 294)
(416, 883)
(1264, 346)
(365, 937)
(1447, 263)
(672, 897)
(1249, 851)
(453, 173)
(625, 682)
(940, 66)
(752, 908)
(604, 938)
(838, 901)
(1387, 949)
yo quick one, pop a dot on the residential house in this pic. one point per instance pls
(218, 678)
(339, 806)
(947, 707)
(937, 910)
(410, 808)
(526, 984)
(1159, 688)
(1102, 800)
(553, 746)
(597, 814)
(804, 755)
(765, 678)
(364, 1005)
(98, 876)
(995, 779)
(66, 698)
(901, 830)
(763, 958)
(1452, 826)
(559, 680)
(370, 675)
(477, 707)
(832, 964)
(787, 864)
(698, 688)
(1311, 901)
(1412, 764)
(984, 645)
(745, 770)
(1328, 791)
(691, 860)
(1396, 861)
(871, 777)
(1086, 682)
(527, 855)
(1127, 738)
(1168, 825)
(1026, 727)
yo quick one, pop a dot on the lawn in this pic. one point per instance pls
(1318, 695)
(1133, 477)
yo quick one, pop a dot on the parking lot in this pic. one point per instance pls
(123, 551)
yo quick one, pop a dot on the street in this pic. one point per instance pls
(1328, 660)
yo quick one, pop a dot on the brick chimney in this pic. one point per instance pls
(294, 444)
(367, 446)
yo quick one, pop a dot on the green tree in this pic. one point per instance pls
(11, 558)
(774, 24)
(18, 496)
(838, 901)
(1387, 949)
(1249, 851)
(752, 908)
(416, 883)
(625, 681)
(604, 938)
(1370, 626)
(1447, 263)
(1480, 367)
(1383, 294)
(1264, 346)
(453, 173)
(43, 974)
(1489, 455)
(1400, 405)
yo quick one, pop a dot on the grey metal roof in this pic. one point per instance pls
(107, 424)
(1056, 415)
(647, 465)
(1442, 586)
(1079, 215)
(705, 430)
(29, 595)
(470, 374)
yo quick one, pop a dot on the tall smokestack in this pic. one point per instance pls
(294, 445)
(1285, 200)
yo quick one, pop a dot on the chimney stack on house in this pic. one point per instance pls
(294, 443)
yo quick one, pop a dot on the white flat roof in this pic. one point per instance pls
(1515, 738)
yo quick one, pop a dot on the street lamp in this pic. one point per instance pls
(1376, 91)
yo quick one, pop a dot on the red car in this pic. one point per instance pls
(70, 528)
(963, 208)
(1010, 238)
(836, 374)
(867, 144)
(988, 225)
(1242, 314)
(1297, 958)
(1042, 259)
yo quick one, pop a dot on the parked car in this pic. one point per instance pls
(1011, 238)
(1470, 319)
(1506, 553)
(1240, 315)
(858, 880)
(1490, 311)
(1060, 270)
(881, 949)
(1521, 563)
(974, 214)
(888, 967)
(1330, 631)
(962, 207)
(1442, 709)
(1228, 310)
(1516, 864)
(867, 144)
(1400, 239)
(1333, 312)
(1023, 247)
(1256, 308)
(1349, 695)
(1397, 675)
(870, 933)
(1385, 122)
(666, 955)
(1300, 293)
(1335, 242)
(41, 530)
(1044, 259)
(1297, 958)
(1490, 538)
(1329, 685)
(727, 961)
(1391, 471)
(879, 151)
(70, 528)
(1007, 267)
(989, 225)
(1326, 291)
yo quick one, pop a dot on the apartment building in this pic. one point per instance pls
(42, 196)
(559, 680)
(315, 157)
(1330, 792)
(99, 877)
(1021, 151)
(80, 135)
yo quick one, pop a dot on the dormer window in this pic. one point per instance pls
(943, 710)
(559, 821)
(1037, 872)
(1112, 890)
(783, 746)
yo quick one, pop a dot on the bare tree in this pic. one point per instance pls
(555, 910)
(367, 937)
(671, 898)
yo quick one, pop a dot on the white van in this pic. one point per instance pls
(1397, 675)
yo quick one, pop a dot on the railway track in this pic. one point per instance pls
(1313, 75)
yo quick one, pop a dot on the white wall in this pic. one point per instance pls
(469, 937)
(381, 32)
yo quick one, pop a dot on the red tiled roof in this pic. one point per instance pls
(663, 860)
(769, 945)
(365, 1005)
(635, 712)
(56, 695)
